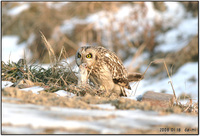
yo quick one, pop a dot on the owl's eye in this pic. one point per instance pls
(79, 55)
(89, 55)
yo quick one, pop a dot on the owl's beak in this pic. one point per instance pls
(82, 61)
(84, 65)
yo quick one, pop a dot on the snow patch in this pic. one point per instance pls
(105, 106)
(181, 82)
(6, 84)
(178, 37)
(174, 13)
(11, 50)
(121, 120)
(34, 89)
(17, 10)
(56, 5)
(64, 93)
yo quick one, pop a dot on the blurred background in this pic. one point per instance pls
(138, 32)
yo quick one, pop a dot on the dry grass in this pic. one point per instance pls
(189, 107)
(60, 78)
(56, 77)
(49, 20)
(48, 49)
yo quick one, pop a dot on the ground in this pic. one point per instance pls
(39, 75)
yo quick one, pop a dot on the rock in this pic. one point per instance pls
(159, 99)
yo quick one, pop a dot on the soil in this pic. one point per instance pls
(84, 102)
(15, 95)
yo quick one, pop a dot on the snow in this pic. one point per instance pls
(181, 82)
(18, 9)
(34, 89)
(140, 59)
(25, 5)
(64, 93)
(69, 25)
(45, 66)
(21, 130)
(180, 28)
(68, 61)
(176, 17)
(174, 13)
(104, 106)
(178, 37)
(56, 5)
(31, 39)
(29, 115)
(6, 84)
(101, 20)
(11, 50)
(184, 101)
(188, 30)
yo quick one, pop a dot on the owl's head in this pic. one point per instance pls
(86, 55)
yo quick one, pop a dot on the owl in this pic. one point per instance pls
(104, 69)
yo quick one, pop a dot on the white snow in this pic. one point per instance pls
(21, 130)
(31, 38)
(41, 117)
(56, 5)
(69, 25)
(182, 27)
(68, 61)
(105, 106)
(45, 66)
(188, 27)
(11, 50)
(178, 37)
(34, 89)
(64, 93)
(6, 84)
(18, 9)
(174, 13)
(176, 17)
(107, 21)
(181, 82)
(139, 60)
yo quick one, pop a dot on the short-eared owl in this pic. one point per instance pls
(105, 69)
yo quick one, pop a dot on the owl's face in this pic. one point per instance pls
(86, 55)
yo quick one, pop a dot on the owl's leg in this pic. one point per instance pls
(119, 90)
(104, 90)
(123, 92)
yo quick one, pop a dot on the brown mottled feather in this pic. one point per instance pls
(119, 71)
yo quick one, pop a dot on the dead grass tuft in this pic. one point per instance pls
(189, 107)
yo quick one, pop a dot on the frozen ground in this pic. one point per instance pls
(33, 119)
(185, 80)
(28, 118)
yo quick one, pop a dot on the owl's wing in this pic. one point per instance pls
(122, 82)
(115, 65)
